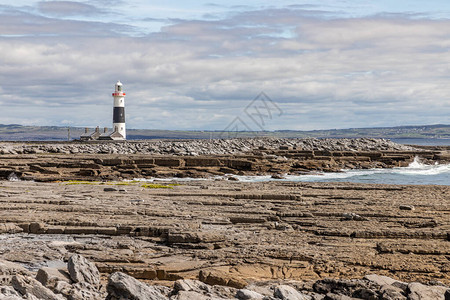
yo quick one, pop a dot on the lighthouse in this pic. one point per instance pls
(119, 132)
(119, 113)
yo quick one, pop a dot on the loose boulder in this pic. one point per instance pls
(28, 287)
(50, 276)
(286, 292)
(418, 291)
(8, 293)
(122, 286)
(81, 270)
(380, 279)
(190, 285)
(245, 294)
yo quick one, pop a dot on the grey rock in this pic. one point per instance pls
(10, 228)
(283, 226)
(332, 296)
(379, 279)
(13, 177)
(191, 285)
(81, 270)
(339, 286)
(191, 295)
(315, 296)
(200, 288)
(401, 285)
(78, 291)
(390, 292)
(418, 291)
(122, 286)
(84, 291)
(266, 290)
(406, 207)
(50, 276)
(245, 294)
(30, 286)
(286, 292)
(10, 268)
(365, 293)
(9, 293)
(352, 216)
(63, 287)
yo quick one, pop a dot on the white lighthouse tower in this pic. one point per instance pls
(119, 113)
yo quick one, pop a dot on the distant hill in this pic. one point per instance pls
(16, 132)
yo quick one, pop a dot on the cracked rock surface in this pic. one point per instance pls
(231, 233)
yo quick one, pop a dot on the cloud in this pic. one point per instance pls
(67, 8)
(21, 23)
(323, 71)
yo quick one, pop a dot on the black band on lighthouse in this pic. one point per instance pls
(119, 115)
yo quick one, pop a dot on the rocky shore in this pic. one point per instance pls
(235, 235)
(71, 228)
(203, 158)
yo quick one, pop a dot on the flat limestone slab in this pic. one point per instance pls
(169, 231)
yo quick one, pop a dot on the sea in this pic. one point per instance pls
(417, 173)
(423, 142)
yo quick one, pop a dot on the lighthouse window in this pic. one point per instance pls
(119, 88)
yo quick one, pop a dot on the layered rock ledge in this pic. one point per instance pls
(242, 231)
(203, 158)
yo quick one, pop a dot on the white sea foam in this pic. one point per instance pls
(419, 168)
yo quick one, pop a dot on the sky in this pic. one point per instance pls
(215, 65)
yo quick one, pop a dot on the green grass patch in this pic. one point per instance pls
(128, 182)
(156, 186)
(122, 183)
(74, 182)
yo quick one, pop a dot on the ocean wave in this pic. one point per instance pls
(419, 168)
